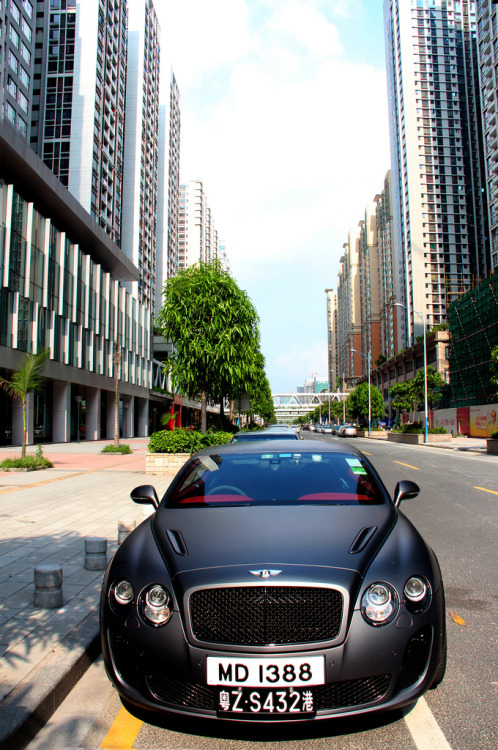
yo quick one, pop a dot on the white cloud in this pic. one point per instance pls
(290, 136)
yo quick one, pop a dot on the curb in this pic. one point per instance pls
(30, 704)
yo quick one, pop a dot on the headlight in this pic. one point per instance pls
(156, 605)
(417, 594)
(123, 592)
(379, 604)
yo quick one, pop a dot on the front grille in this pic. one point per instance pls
(193, 695)
(196, 696)
(416, 656)
(266, 615)
(351, 692)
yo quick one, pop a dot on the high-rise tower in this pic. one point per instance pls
(439, 206)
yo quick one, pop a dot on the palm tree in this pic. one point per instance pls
(27, 378)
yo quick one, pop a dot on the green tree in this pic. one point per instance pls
(357, 402)
(260, 396)
(24, 380)
(408, 396)
(214, 330)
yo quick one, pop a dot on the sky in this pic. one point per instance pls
(284, 120)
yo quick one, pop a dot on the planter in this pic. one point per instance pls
(415, 439)
(165, 463)
(492, 446)
(374, 434)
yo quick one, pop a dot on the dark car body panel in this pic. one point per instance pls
(192, 549)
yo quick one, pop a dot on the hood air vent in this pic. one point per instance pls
(362, 539)
(177, 542)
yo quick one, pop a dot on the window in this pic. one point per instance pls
(16, 13)
(12, 88)
(23, 102)
(28, 8)
(14, 36)
(25, 53)
(26, 29)
(11, 113)
(22, 127)
(13, 62)
(25, 79)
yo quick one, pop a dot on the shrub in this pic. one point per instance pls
(494, 435)
(119, 449)
(28, 462)
(185, 441)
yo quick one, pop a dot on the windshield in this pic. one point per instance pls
(291, 435)
(268, 478)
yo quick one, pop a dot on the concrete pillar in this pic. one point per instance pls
(92, 413)
(142, 405)
(128, 416)
(110, 415)
(61, 423)
(48, 586)
(95, 553)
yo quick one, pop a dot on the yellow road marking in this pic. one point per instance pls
(493, 492)
(123, 732)
(409, 465)
(367, 453)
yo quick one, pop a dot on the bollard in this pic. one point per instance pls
(95, 553)
(48, 586)
(124, 528)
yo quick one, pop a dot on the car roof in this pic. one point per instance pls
(283, 446)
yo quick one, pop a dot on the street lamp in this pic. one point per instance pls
(369, 390)
(426, 436)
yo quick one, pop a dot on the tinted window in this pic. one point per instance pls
(267, 478)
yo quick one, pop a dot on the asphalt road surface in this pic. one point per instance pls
(456, 512)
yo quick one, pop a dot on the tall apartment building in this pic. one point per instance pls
(168, 189)
(198, 238)
(369, 286)
(348, 308)
(387, 274)
(17, 53)
(83, 81)
(439, 203)
(487, 46)
(332, 339)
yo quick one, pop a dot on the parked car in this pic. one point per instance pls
(209, 610)
(327, 429)
(347, 430)
(335, 429)
(270, 434)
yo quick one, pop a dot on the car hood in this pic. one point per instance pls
(195, 539)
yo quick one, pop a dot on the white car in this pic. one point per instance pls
(347, 430)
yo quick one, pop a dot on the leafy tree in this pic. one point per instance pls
(27, 378)
(408, 396)
(260, 396)
(357, 402)
(214, 330)
(381, 359)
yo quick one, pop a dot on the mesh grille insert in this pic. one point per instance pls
(266, 615)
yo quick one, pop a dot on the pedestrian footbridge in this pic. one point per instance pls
(288, 406)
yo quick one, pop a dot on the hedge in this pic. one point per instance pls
(185, 441)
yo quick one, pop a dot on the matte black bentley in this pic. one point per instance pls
(274, 582)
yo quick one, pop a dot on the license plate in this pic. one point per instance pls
(266, 672)
(263, 703)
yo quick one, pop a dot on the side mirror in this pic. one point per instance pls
(405, 490)
(145, 495)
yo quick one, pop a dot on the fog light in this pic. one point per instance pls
(156, 605)
(123, 592)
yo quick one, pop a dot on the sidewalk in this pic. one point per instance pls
(46, 516)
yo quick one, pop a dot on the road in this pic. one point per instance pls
(456, 513)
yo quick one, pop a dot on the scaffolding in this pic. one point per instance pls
(473, 324)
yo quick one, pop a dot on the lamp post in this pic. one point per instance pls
(426, 431)
(78, 401)
(369, 390)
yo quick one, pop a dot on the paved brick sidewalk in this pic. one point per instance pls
(45, 518)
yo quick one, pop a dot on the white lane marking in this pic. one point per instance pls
(424, 728)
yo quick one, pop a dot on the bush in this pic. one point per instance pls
(185, 441)
(119, 449)
(416, 429)
(29, 462)
(494, 435)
